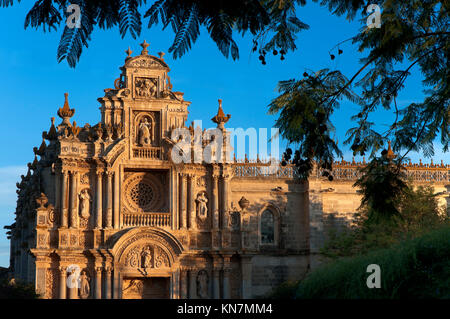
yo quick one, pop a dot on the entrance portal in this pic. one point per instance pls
(146, 288)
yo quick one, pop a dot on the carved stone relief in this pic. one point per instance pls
(147, 256)
(145, 87)
(51, 283)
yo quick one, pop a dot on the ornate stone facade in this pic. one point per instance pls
(106, 213)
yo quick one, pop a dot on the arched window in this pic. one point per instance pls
(267, 227)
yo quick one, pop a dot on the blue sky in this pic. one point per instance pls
(33, 83)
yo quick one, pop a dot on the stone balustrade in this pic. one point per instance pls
(342, 170)
(146, 220)
(149, 153)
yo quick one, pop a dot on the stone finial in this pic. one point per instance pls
(220, 117)
(42, 201)
(75, 129)
(66, 112)
(390, 154)
(128, 52)
(144, 46)
(52, 134)
(41, 150)
(161, 55)
(33, 165)
(243, 203)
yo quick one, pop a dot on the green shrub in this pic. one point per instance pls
(419, 213)
(17, 290)
(414, 268)
(287, 290)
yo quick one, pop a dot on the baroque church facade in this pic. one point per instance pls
(105, 212)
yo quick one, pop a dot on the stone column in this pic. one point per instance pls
(108, 283)
(174, 199)
(116, 201)
(116, 284)
(74, 201)
(184, 284)
(315, 208)
(225, 184)
(246, 269)
(120, 285)
(191, 205)
(73, 285)
(226, 277)
(64, 221)
(215, 202)
(192, 284)
(98, 283)
(216, 283)
(62, 282)
(58, 193)
(109, 195)
(174, 289)
(99, 205)
(226, 283)
(183, 217)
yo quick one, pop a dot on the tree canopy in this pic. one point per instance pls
(412, 34)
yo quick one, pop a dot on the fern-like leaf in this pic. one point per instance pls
(152, 13)
(44, 14)
(73, 39)
(130, 18)
(6, 3)
(186, 33)
(219, 28)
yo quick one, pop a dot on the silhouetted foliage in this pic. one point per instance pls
(17, 291)
(273, 23)
(412, 34)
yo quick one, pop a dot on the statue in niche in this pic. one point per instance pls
(202, 284)
(147, 258)
(85, 288)
(85, 201)
(202, 208)
(144, 132)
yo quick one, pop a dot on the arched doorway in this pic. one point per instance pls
(147, 259)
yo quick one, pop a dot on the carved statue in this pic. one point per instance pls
(85, 200)
(202, 284)
(147, 258)
(202, 208)
(85, 288)
(144, 132)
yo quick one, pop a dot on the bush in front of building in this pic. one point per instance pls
(414, 268)
(9, 289)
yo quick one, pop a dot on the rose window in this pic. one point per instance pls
(142, 194)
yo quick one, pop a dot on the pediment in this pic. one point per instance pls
(146, 61)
